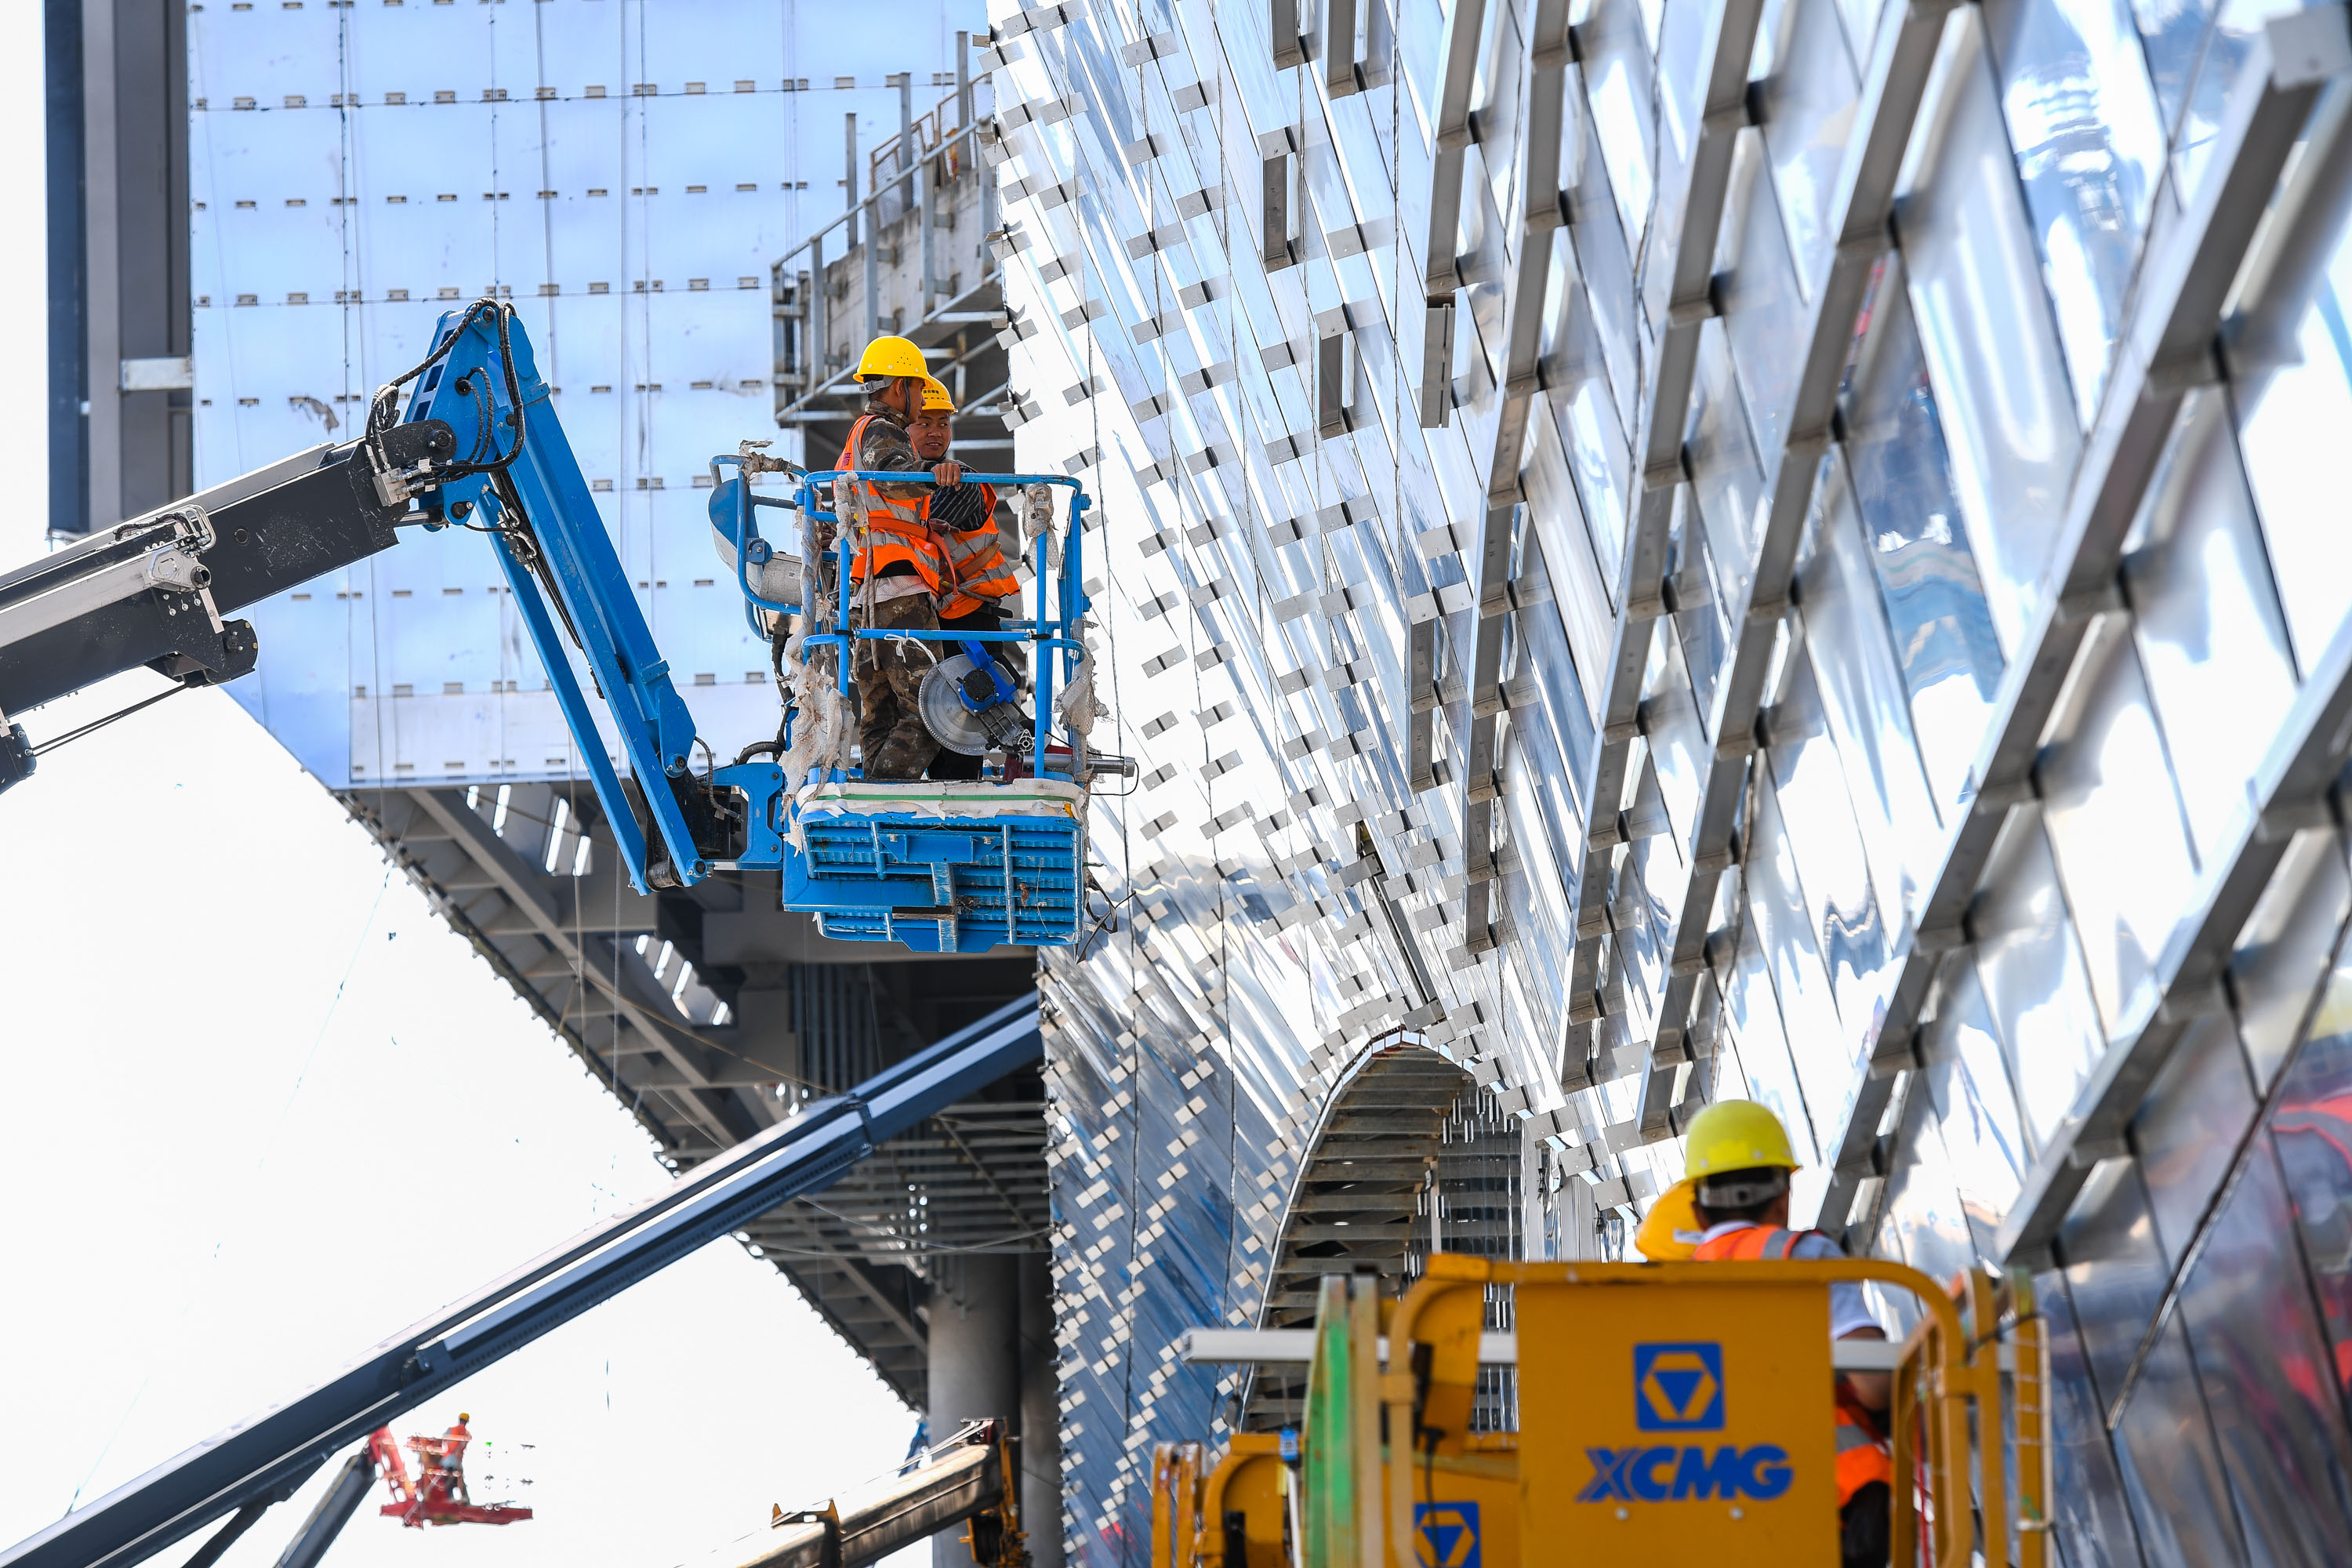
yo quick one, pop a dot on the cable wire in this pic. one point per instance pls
(48, 746)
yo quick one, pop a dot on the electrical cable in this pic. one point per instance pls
(381, 408)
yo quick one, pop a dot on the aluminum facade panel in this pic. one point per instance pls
(1831, 734)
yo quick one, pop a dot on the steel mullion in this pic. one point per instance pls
(1900, 66)
(1548, 60)
(2170, 349)
(1689, 304)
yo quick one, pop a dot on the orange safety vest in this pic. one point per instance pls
(1862, 1454)
(976, 564)
(895, 529)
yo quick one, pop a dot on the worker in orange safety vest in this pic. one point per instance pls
(1733, 1204)
(980, 581)
(897, 568)
(441, 1467)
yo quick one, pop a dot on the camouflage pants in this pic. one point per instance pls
(889, 681)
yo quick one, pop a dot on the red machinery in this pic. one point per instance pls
(439, 1495)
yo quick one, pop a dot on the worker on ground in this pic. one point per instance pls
(963, 518)
(1733, 1204)
(897, 568)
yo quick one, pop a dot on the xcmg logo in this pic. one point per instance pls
(1672, 1474)
(1678, 1387)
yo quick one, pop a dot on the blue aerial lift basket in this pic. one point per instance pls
(940, 867)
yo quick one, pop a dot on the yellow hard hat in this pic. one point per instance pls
(1671, 1219)
(891, 357)
(463, 1418)
(936, 399)
(1735, 1135)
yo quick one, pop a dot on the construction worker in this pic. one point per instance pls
(898, 569)
(442, 1466)
(963, 517)
(1733, 1204)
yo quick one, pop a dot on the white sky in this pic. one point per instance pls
(263, 1110)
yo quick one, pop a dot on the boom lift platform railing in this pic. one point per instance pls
(938, 866)
(944, 866)
(1677, 1414)
(267, 1457)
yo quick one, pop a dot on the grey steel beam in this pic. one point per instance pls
(1441, 264)
(334, 1511)
(718, 1111)
(1690, 304)
(1864, 205)
(102, 266)
(2173, 346)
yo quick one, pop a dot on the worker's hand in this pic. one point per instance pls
(949, 473)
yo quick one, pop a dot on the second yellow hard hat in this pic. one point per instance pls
(936, 398)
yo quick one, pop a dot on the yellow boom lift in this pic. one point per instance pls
(1666, 1414)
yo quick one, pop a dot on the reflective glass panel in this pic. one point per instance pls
(2281, 954)
(2033, 978)
(2090, 153)
(1809, 86)
(1863, 701)
(2286, 413)
(2311, 1127)
(2172, 1467)
(2188, 1129)
(1935, 599)
(2093, 1522)
(2115, 822)
(2208, 626)
(1988, 337)
(1976, 1106)
(2267, 1379)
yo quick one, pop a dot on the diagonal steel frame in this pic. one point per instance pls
(1890, 98)
(2173, 347)
(1441, 263)
(1550, 51)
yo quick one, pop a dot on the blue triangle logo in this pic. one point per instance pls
(1681, 1386)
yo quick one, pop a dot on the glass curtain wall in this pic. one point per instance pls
(1603, 590)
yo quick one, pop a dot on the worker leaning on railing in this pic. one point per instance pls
(898, 568)
(1733, 1204)
(979, 579)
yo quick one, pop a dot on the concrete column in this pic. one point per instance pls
(1041, 1415)
(975, 1360)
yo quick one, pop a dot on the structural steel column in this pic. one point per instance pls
(975, 1343)
(1040, 1413)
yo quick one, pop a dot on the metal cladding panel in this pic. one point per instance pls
(1648, 651)
(626, 173)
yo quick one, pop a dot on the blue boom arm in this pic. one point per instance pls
(554, 548)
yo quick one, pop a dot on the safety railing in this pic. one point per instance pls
(1956, 1423)
(1056, 568)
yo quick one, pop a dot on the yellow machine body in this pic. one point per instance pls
(1691, 1425)
(1674, 1414)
